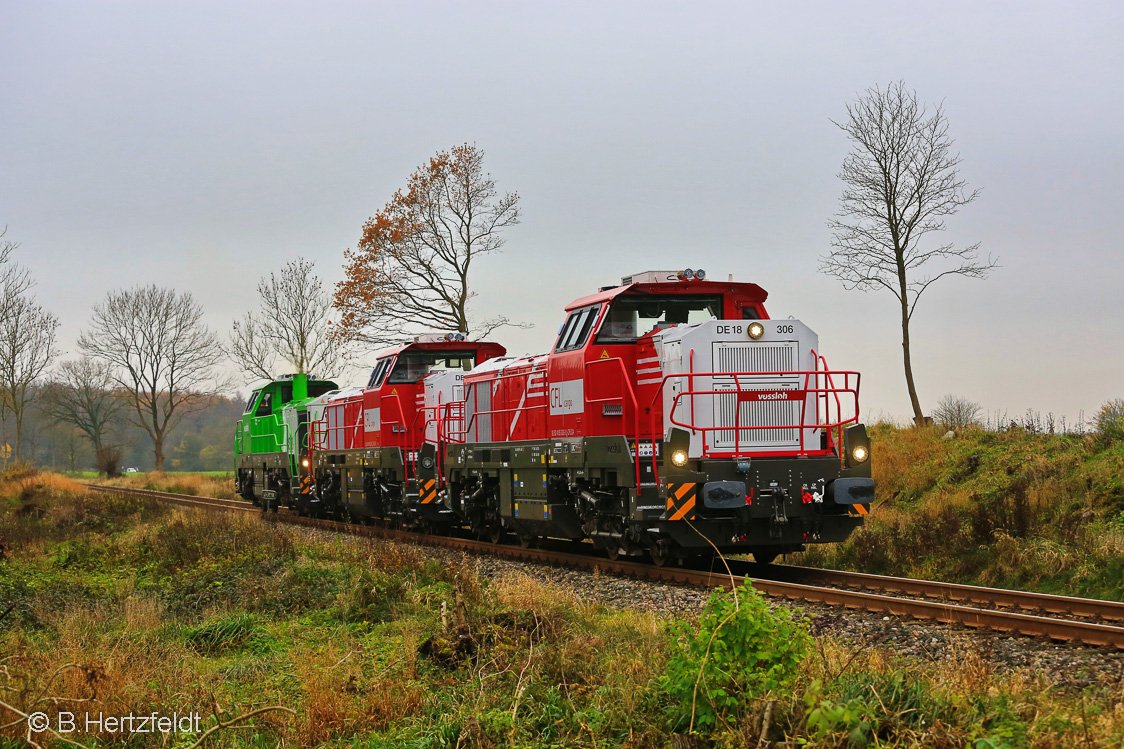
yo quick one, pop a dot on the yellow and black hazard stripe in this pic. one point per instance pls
(428, 491)
(681, 501)
(858, 509)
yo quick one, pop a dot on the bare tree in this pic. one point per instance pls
(955, 412)
(900, 182)
(83, 395)
(28, 345)
(410, 272)
(66, 442)
(14, 279)
(162, 355)
(293, 323)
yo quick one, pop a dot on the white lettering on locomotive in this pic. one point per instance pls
(567, 397)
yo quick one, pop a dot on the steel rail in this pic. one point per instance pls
(185, 500)
(1082, 631)
(1089, 608)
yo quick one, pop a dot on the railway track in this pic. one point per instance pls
(1063, 618)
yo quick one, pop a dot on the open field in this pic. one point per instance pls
(131, 608)
(95, 474)
(197, 484)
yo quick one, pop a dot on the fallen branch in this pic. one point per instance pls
(233, 721)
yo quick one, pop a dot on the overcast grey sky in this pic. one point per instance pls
(201, 144)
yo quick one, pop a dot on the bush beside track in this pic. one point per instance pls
(159, 609)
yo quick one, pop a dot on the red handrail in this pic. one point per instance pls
(827, 389)
(587, 401)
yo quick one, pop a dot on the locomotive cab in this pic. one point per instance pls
(271, 439)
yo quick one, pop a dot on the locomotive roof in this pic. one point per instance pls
(748, 292)
(442, 346)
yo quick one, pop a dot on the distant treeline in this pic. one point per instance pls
(203, 441)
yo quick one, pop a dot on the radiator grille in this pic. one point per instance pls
(755, 357)
(755, 413)
(478, 398)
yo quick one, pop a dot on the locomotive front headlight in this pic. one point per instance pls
(305, 462)
(686, 274)
(700, 275)
(756, 330)
(679, 458)
(859, 454)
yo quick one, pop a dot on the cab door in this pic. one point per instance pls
(566, 415)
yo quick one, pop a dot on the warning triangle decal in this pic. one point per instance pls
(394, 391)
(604, 353)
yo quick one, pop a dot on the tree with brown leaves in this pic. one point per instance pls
(900, 182)
(410, 271)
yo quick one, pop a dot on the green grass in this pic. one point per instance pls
(375, 644)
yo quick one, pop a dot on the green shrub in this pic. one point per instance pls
(1109, 421)
(739, 649)
(1002, 727)
(370, 596)
(853, 717)
(229, 633)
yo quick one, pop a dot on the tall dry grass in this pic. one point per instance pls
(192, 484)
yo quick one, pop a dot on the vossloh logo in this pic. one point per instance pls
(778, 396)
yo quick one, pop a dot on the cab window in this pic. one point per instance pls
(316, 389)
(576, 330)
(414, 365)
(250, 403)
(265, 407)
(379, 372)
(631, 317)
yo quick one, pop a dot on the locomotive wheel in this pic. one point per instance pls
(764, 557)
(614, 554)
(528, 541)
(495, 533)
(660, 557)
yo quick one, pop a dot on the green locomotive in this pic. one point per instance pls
(271, 440)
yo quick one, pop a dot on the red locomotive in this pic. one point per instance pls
(671, 417)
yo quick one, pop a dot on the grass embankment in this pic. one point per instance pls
(127, 607)
(201, 484)
(1009, 509)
